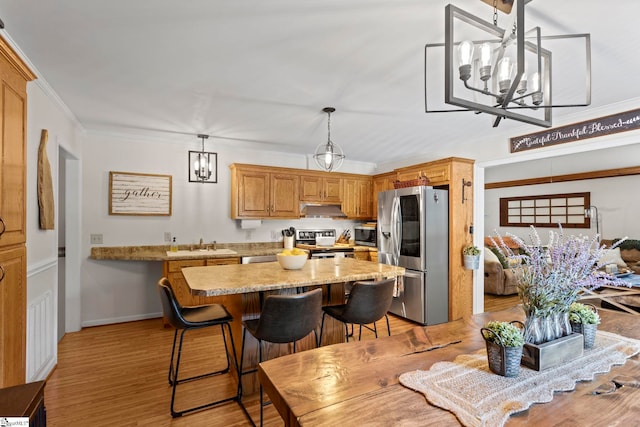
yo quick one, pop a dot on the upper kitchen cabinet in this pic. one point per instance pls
(356, 202)
(382, 182)
(438, 172)
(315, 188)
(263, 192)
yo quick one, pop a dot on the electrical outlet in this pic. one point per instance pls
(248, 234)
(96, 239)
(167, 236)
(274, 235)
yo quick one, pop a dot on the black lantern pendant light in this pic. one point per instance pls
(202, 166)
(329, 156)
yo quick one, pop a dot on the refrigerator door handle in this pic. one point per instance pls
(396, 230)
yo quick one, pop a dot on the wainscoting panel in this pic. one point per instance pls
(40, 330)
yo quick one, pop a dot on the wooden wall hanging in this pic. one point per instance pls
(139, 194)
(615, 123)
(45, 185)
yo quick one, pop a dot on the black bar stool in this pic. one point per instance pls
(368, 302)
(189, 318)
(283, 319)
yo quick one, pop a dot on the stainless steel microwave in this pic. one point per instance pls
(365, 235)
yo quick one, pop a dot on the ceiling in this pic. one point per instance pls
(261, 71)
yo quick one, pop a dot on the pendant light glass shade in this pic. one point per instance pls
(329, 156)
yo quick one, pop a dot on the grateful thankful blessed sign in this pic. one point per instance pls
(622, 122)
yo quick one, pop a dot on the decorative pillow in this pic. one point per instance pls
(490, 256)
(503, 261)
(612, 257)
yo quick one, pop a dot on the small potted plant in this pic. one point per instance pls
(584, 320)
(504, 342)
(471, 257)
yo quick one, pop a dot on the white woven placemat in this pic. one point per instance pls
(478, 397)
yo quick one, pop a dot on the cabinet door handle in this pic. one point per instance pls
(4, 227)
(1, 270)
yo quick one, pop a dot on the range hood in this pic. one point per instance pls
(323, 211)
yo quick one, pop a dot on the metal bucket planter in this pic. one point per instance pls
(471, 262)
(588, 332)
(503, 360)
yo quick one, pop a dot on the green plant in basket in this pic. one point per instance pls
(510, 334)
(471, 250)
(581, 313)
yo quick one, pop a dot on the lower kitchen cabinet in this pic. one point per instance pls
(13, 325)
(173, 272)
(361, 255)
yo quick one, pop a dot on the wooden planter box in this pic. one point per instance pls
(553, 353)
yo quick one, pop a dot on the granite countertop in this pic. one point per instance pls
(239, 279)
(159, 252)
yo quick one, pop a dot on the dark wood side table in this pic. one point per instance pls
(25, 400)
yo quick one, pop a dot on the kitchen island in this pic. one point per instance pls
(243, 287)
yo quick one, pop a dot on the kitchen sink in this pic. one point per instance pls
(202, 252)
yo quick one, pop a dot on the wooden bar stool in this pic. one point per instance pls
(368, 302)
(184, 319)
(283, 319)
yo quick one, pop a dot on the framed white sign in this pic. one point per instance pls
(139, 194)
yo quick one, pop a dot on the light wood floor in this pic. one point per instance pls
(117, 375)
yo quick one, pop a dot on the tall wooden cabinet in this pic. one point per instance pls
(14, 75)
(448, 173)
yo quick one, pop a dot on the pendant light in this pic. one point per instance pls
(329, 156)
(202, 166)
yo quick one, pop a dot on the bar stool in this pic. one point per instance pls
(184, 319)
(283, 319)
(368, 302)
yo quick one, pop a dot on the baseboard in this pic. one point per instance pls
(100, 322)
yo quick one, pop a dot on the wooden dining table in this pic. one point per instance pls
(357, 383)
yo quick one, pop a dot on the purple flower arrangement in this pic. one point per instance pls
(553, 275)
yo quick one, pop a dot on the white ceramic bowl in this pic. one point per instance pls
(292, 262)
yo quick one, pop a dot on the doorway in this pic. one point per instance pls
(68, 243)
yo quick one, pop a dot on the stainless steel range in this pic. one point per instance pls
(321, 243)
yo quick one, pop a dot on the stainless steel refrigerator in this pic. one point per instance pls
(413, 232)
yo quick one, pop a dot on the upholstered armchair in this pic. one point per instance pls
(498, 279)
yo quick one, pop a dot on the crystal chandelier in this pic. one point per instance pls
(505, 72)
(329, 155)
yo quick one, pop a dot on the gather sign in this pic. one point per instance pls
(139, 194)
(615, 123)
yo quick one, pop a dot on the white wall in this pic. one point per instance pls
(613, 197)
(43, 112)
(117, 291)
(617, 210)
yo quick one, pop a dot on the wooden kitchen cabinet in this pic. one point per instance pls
(448, 173)
(382, 182)
(13, 308)
(438, 172)
(315, 188)
(14, 75)
(356, 203)
(258, 192)
(173, 272)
